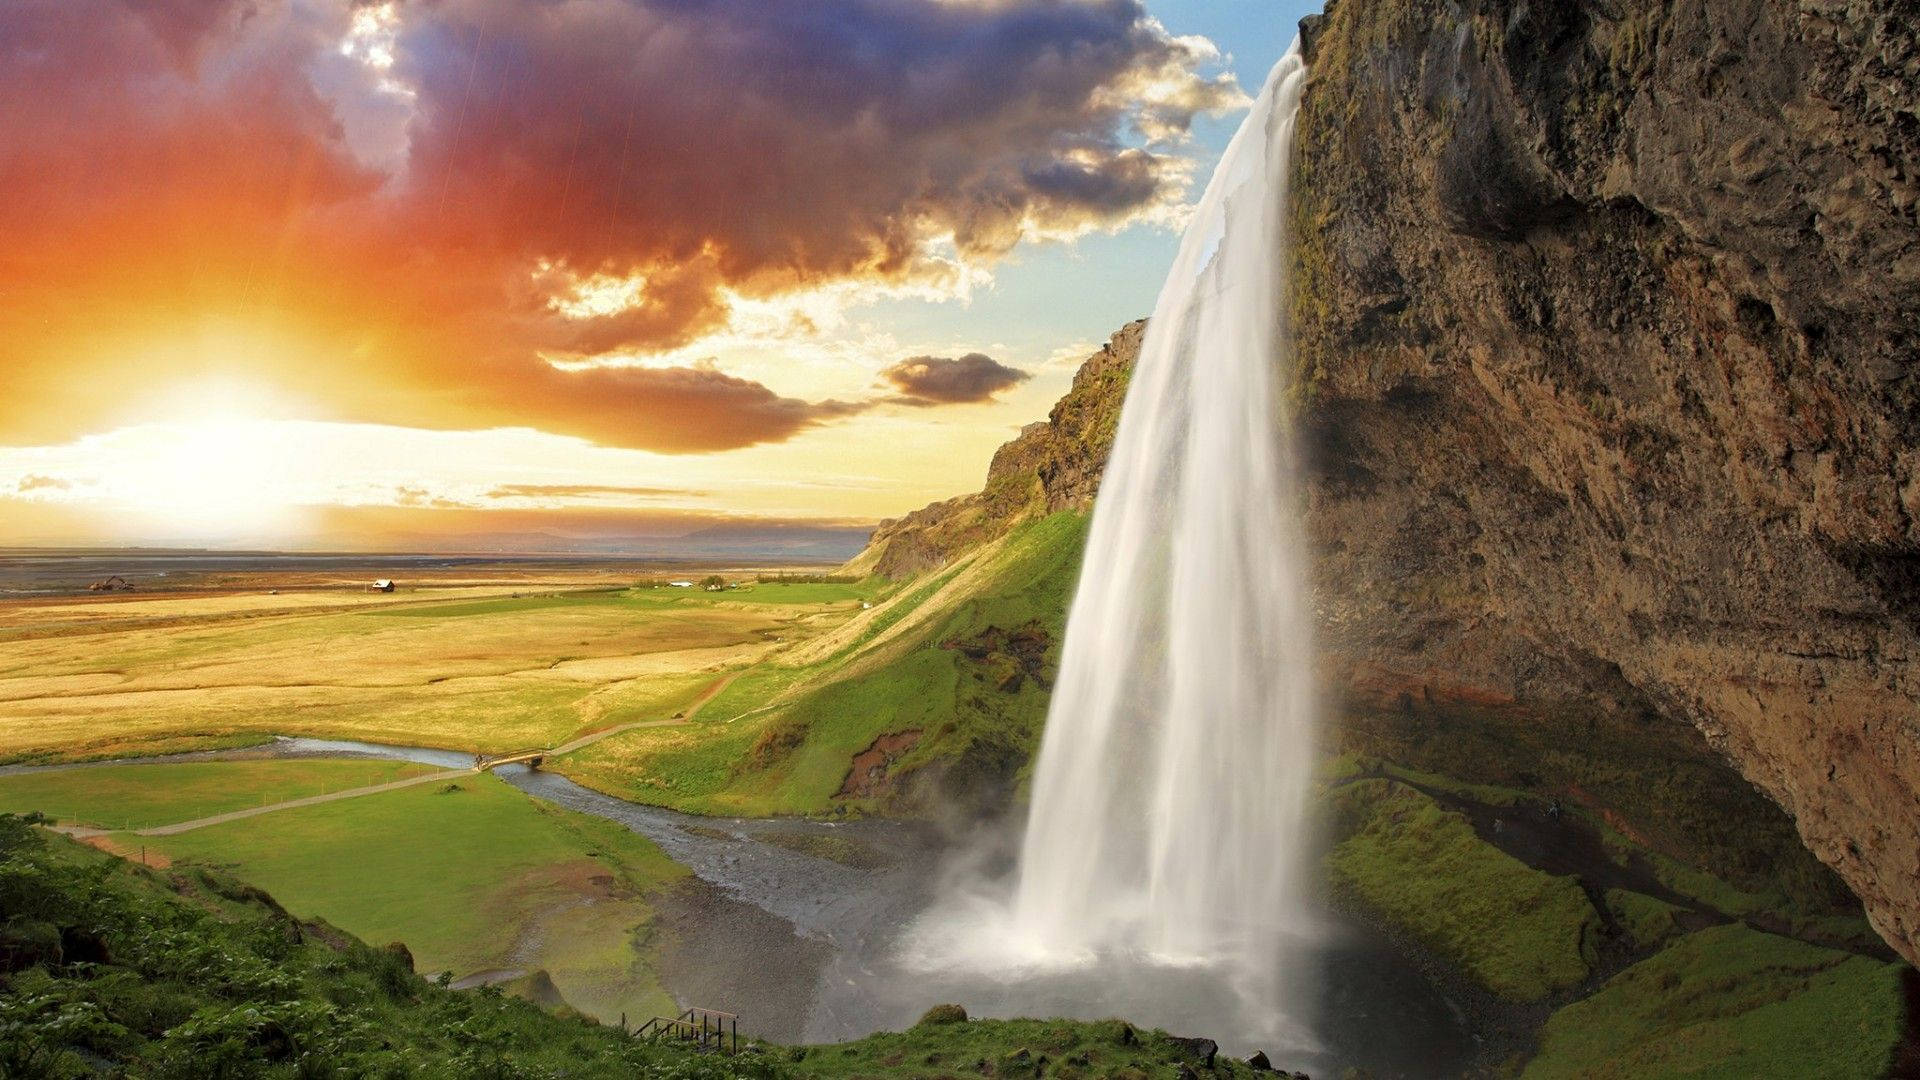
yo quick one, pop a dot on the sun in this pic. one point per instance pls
(218, 462)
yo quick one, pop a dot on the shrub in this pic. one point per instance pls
(945, 1014)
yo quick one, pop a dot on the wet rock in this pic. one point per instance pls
(1259, 1062)
(1202, 1050)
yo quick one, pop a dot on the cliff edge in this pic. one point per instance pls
(1054, 464)
(1609, 325)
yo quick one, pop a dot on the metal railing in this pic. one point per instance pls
(707, 1029)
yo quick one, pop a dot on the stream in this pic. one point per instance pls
(805, 947)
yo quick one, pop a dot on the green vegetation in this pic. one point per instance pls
(502, 605)
(142, 796)
(187, 974)
(1729, 1001)
(1732, 1003)
(1647, 921)
(478, 878)
(953, 657)
(1653, 783)
(822, 591)
(945, 1046)
(110, 969)
(1522, 933)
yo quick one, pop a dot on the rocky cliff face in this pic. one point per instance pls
(1055, 464)
(1609, 322)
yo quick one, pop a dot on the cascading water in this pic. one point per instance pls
(1168, 800)
(1168, 797)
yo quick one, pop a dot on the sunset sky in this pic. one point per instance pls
(349, 272)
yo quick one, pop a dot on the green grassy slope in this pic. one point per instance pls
(1732, 1003)
(111, 969)
(1650, 778)
(141, 796)
(480, 878)
(107, 968)
(1519, 932)
(957, 659)
(1678, 984)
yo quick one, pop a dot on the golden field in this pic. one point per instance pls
(481, 667)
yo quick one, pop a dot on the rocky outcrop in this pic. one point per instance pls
(1608, 318)
(1053, 465)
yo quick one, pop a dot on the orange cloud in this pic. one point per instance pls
(403, 222)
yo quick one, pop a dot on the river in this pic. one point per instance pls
(804, 947)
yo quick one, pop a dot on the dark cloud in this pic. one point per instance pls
(938, 380)
(673, 410)
(167, 161)
(1110, 186)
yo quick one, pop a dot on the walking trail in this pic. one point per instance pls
(82, 832)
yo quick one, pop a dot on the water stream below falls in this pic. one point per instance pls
(808, 949)
(839, 929)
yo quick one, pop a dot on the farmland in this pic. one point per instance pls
(471, 668)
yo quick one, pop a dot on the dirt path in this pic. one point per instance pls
(311, 800)
(711, 692)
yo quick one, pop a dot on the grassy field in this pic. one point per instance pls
(194, 975)
(1652, 778)
(467, 671)
(1518, 931)
(1071, 1050)
(1639, 989)
(473, 878)
(1728, 1003)
(142, 796)
(933, 659)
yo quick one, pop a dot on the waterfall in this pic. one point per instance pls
(1167, 826)
(1169, 794)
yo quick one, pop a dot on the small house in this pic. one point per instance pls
(383, 585)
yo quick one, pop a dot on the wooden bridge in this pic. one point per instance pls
(532, 759)
(706, 1030)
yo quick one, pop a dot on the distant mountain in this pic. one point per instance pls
(825, 543)
(743, 542)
